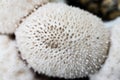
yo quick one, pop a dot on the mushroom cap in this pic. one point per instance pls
(11, 66)
(111, 68)
(63, 41)
(12, 12)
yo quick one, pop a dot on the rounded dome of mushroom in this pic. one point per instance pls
(63, 41)
(12, 12)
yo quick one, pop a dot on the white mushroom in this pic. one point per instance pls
(63, 41)
(11, 67)
(111, 68)
(12, 12)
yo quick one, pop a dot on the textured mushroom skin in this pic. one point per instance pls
(12, 12)
(105, 9)
(111, 68)
(57, 41)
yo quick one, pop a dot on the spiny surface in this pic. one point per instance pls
(12, 12)
(63, 41)
(111, 68)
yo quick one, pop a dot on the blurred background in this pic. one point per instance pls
(107, 10)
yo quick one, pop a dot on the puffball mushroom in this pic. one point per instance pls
(111, 68)
(12, 13)
(11, 66)
(63, 41)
